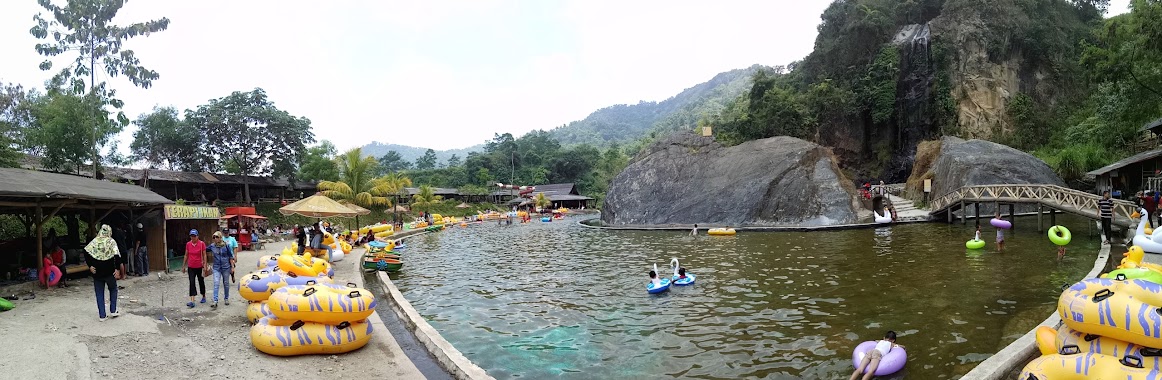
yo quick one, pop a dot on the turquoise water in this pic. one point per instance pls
(558, 300)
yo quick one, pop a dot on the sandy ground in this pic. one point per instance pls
(57, 336)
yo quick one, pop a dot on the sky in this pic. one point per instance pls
(435, 74)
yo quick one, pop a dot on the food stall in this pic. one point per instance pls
(241, 222)
(179, 220)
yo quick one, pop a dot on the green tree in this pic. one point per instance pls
(56, 136)
(392, 162)
(162, 140)
(427, 161)
(357, 185)
(84, 27)
(395, 184)
(542, 201)
(425, 199)
(453, 161)
(16, 118)
(318, 163)
(245, 131)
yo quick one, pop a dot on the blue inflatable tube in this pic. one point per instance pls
(689, 280)
(664, 286)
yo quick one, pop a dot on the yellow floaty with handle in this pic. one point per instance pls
(720, 232)
(1123, 310)
(304, 265)
(1085, 366)
(256, 311)
(323, 303)
(1097, 344)
(1046, 337)
(259, 285)
(282, 337)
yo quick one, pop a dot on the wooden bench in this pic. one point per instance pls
(76, 268)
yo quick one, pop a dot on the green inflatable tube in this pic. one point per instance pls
(6, 305)
(974, 244)
(1137, 273)
(1064, 237)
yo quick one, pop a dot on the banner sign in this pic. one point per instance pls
(191, 212)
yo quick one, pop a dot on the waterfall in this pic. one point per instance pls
(915, 119)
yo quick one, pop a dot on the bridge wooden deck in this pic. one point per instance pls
(1051, 196)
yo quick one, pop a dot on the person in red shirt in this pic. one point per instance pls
(1150, 205)
(58, 259)
(196, 266)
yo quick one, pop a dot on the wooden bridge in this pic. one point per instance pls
(1053, 197)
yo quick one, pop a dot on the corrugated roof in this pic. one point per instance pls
(1151, 125)
(1126, 161)
(435, 190)
(23, 183)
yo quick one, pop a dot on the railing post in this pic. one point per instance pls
(1040, 209)
(1011, 214)
(963, 214)
(977, 204)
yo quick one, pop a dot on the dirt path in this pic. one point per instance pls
(57, 336)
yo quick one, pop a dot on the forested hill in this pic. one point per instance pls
(624, 123)
(410, 153)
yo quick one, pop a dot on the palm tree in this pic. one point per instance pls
(356, 185)
(394, 183)
(542, 201)
(425, 198)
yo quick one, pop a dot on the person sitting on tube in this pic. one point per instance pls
(871, 360)
(681, 273)
(654, 278)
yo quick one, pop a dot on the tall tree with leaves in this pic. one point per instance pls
(56, 137)
(395, 183)
(425, 199)
(16, 118)
(84, 27)
(392, 162)
(427, 161)
(318, 164)
(357, 184)
(162, 141)
(246, 134)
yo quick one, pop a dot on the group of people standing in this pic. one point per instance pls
(202, 260)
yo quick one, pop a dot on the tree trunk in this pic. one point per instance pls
(246, 193)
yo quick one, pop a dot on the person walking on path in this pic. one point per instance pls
(103, 258)
(141, 251)
(223, 266)
(196, 266)
(1105, 208)
(1148, 203)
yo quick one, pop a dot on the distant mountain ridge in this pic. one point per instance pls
(410, 153)
(624, 123)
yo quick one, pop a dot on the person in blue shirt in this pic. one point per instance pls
(222, 267)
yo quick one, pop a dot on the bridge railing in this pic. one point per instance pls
(1062, 198)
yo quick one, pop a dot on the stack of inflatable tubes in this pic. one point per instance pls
(256, 311)
(315, 319)
(1111, 331)
(258, 286)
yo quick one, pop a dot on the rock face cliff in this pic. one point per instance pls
(687, 179)
(962, 162)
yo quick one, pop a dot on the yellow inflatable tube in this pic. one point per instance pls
(1079, 366)
(1123, 310)
(322, 303)
(1045, 340)
(1097, 344)
(720, 231)
(256, 311)
(259, 285)
(281, 337)
(303, 265)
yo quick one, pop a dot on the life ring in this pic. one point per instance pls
(1046, 340)
(256, 311)
(259, 285)
(1078, 366)
(6, 305)
(282, 337)
(1140, 273)
(662, 286)
(677, 278)
(974, 244)
(546, 219)
(1059, 235)
(889, 364)
(322, 303)
(50, 276)
(1100, 345)
(1001, 223)
(720, 232)
(304, 265)
(1102, 306)
(269, 261)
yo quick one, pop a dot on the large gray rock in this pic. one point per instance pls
(687, 179)
(977, 162)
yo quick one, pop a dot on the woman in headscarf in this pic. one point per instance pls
(103, 258)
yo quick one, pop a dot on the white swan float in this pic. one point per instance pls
(882, 219)
(677, 280)
(1150, 243)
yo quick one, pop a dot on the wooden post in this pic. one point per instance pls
(963, 214)
(977, 212)
(1052, 217)
(40, 238)
(1040, 209)
(1011, 215)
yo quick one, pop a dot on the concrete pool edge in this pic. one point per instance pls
(449, 358)
(1009, 361)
